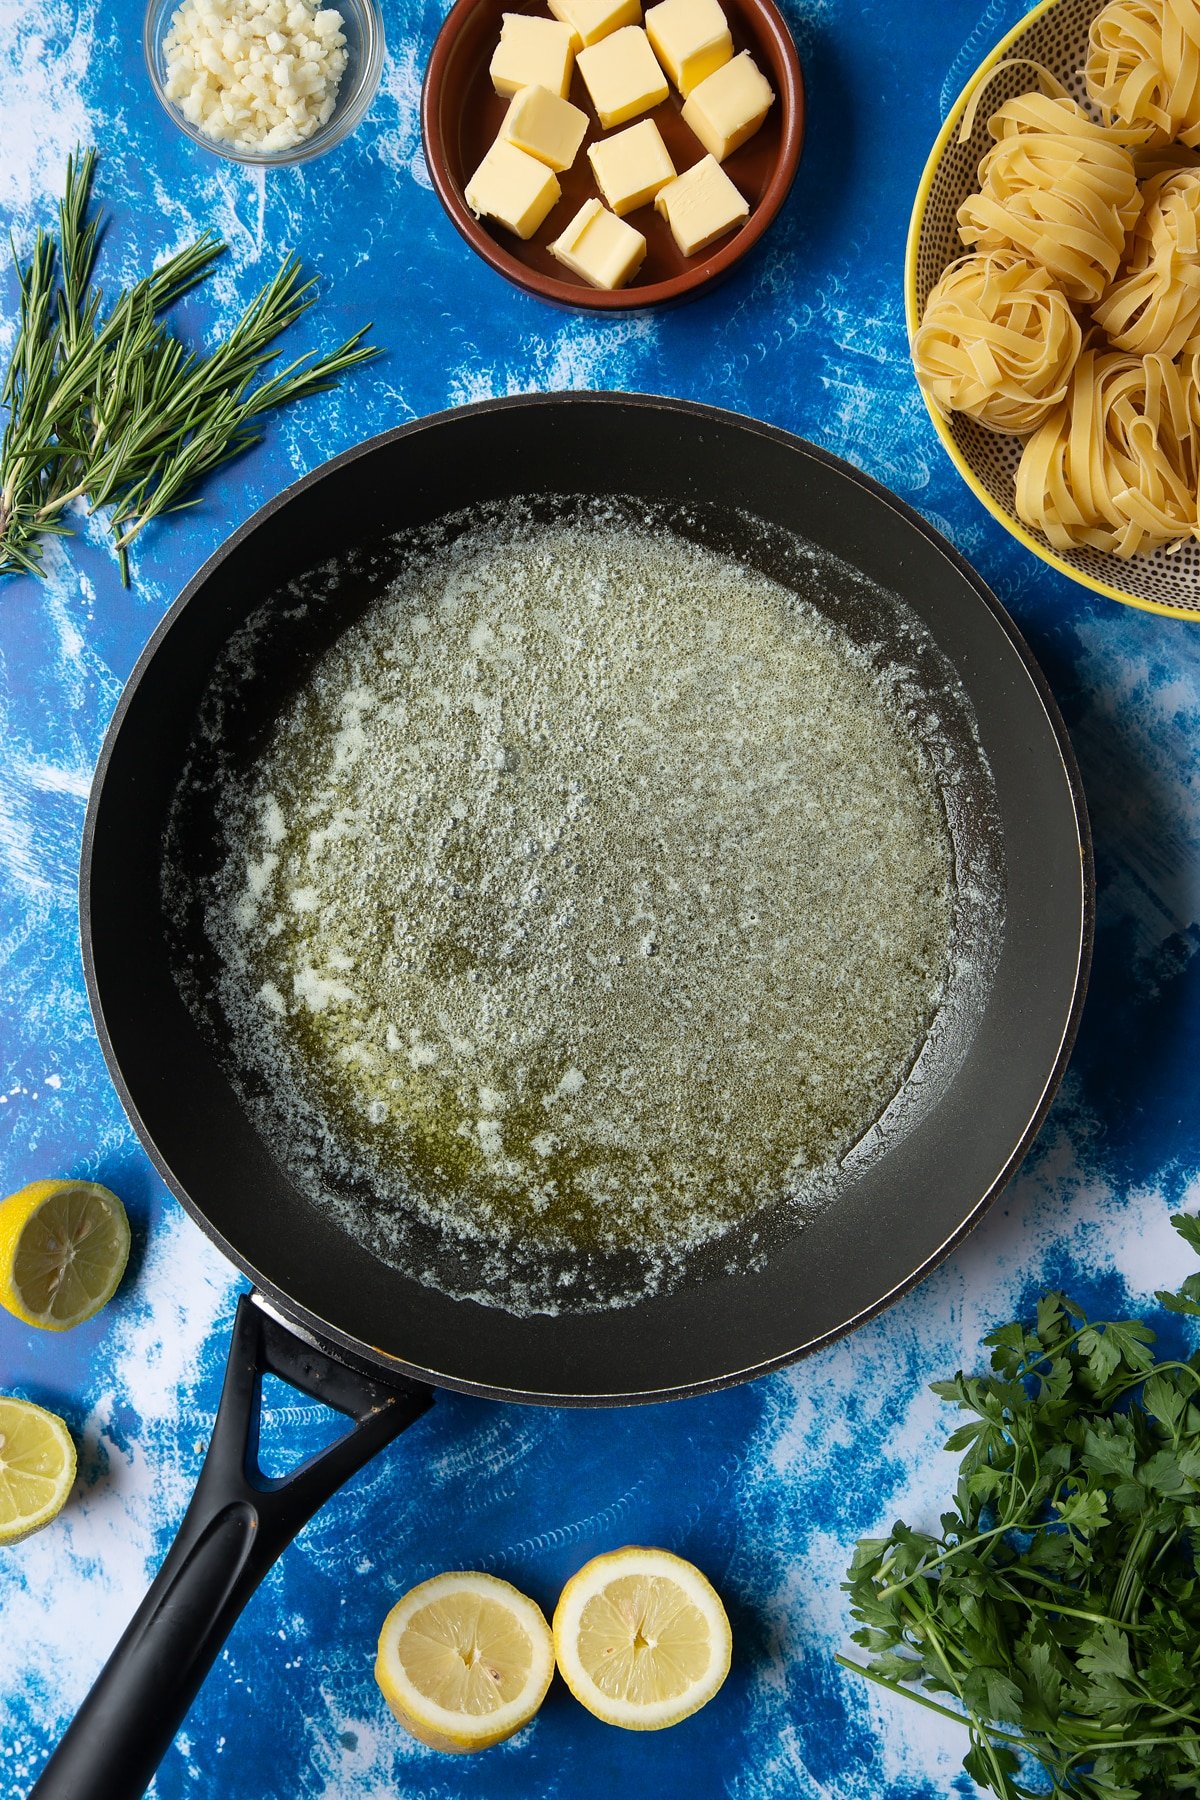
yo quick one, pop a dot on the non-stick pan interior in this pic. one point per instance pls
(725, 482)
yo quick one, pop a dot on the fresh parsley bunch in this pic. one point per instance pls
(1059, 1607)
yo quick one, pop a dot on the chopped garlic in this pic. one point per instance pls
(255, 74)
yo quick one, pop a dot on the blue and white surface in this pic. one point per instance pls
(766, 1487)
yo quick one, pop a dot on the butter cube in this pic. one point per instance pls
(591, 20)
(545, 126)
(532, 53)
(514, 189)
(600, 248)
(622, 76)
(690, 39)
(632, 166)
(700, 205)
(728, 106)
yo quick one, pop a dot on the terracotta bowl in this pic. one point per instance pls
(461, 115)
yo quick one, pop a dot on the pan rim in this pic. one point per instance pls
(332, 1336)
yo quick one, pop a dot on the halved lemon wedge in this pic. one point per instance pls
(464, 1661)
(37, 1467)
(63, 1250)
(641, 1637)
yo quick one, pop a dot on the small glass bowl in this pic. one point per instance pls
(362, 25)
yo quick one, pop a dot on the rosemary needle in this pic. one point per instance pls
(106, 406)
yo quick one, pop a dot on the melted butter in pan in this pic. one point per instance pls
(592, 892)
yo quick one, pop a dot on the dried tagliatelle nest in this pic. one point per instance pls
(998, 341)
(1076, 322)
(1143, 69)
(1155, 304)
(1058, 189)
(1115, 465)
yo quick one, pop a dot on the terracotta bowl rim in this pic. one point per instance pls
(573, 294)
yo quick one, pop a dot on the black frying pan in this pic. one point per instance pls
(326, 1314)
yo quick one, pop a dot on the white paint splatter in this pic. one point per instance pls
(46, 48)
(105, 1543)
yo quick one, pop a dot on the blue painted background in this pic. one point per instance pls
(766, 1487)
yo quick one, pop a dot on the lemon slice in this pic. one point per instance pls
(641, 1638)
(63, 1249)
(37, 1467)
(464, 1661)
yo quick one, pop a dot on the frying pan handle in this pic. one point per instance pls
(238, 1523)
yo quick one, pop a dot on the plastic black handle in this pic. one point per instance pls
(238, 1523)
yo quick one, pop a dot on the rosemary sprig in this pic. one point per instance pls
(107, 406)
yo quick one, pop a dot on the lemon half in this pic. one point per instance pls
(37, 1467)
(63, 1250)
(641, 1637)
(464, 1661)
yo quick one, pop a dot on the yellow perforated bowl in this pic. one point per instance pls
(1055, 35)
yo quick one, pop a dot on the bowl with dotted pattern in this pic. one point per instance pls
(1054, 34)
